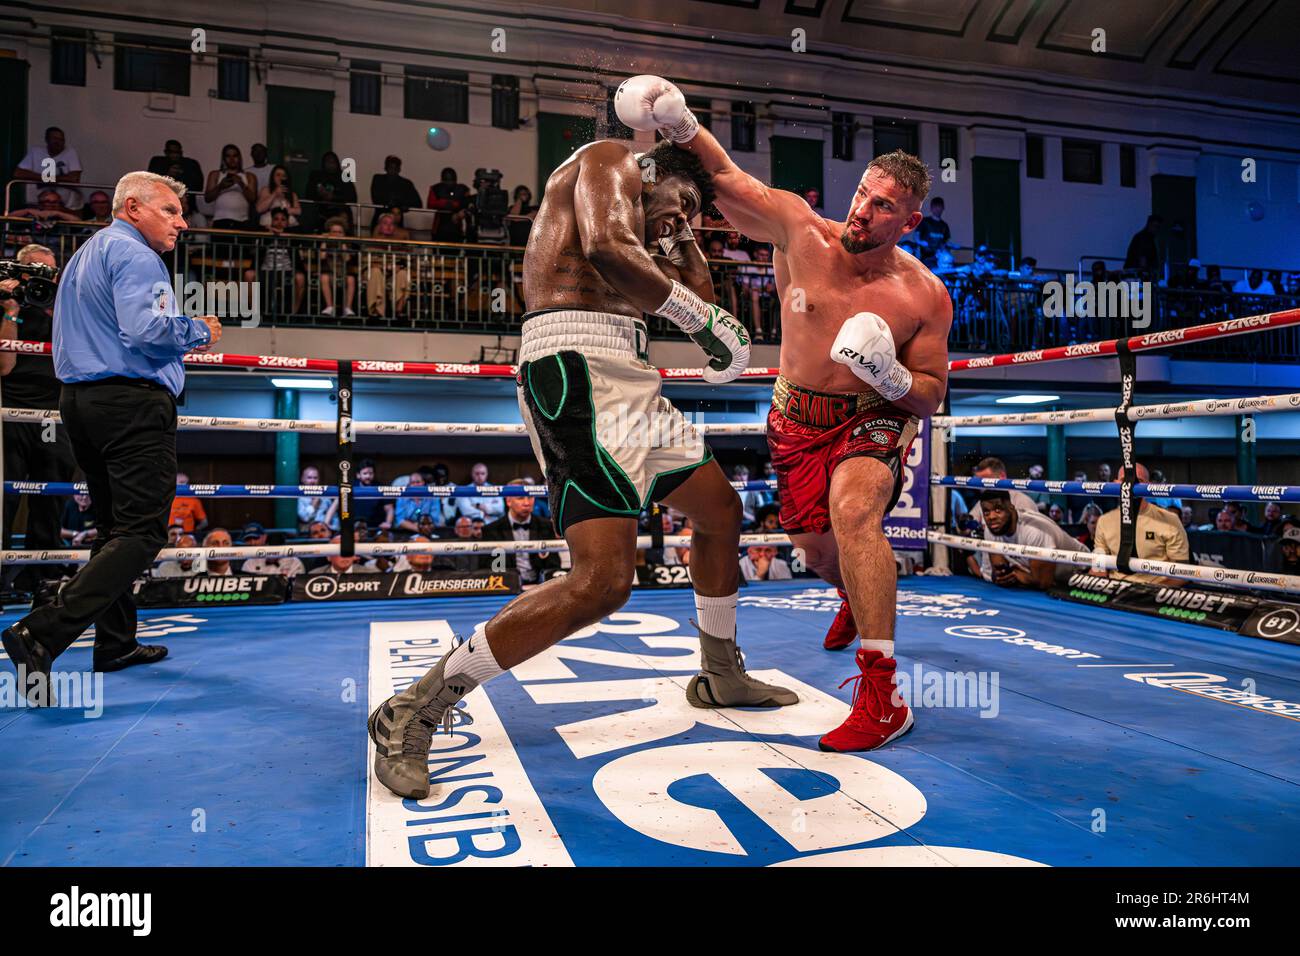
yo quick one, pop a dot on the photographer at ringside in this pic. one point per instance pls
(32, 451)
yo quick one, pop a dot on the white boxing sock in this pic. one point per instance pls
(717, 615)
(885, 647)
(474, 659)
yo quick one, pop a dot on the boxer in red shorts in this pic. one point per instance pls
(864, 355)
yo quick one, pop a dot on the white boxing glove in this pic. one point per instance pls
(866, 345)
(719, 333)
(649, 102)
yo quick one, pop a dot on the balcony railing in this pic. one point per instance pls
(372, 283)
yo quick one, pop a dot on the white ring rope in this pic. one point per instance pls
(1206, 407)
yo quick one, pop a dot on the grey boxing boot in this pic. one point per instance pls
(402, 728)
(722, 681)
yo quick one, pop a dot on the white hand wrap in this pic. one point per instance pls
(866, 345)
(684, 309)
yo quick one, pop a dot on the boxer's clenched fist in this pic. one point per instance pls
(650, 102)
(866, 345)
(727, 343)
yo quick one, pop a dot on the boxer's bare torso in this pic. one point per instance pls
(820, 285)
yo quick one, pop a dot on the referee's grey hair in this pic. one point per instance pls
(137, 186)
(30, 251)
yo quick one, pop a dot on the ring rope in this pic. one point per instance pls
(1111, 489)
(1289, 401)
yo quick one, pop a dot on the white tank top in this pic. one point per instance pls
(230, 203)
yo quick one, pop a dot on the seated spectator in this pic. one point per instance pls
(813, 197)
(985, 263)
(390, 188)
(1091, 515)
(524, 212)
(230, 190)
(337, 564)
(77, 528)
(1254, 283)
(463, 530)
(520, 524)
(415, 562)
(407, 511)
(337, 264)
(1239, 522)
(278, 194)
(1160, 537)
(450, 199)
(172, 568)
(996, 468)
(382, 563)
(377, 513)
(1289, 552)
(760, 563)
(48, 212)
(767, 520)
(332, 194)
(316, 508)
(67, 167)
(99, 208)
(1056, 514)
(715, 249)
(187, 511)
(191, 174)
(387, 270)
(218, 567)
(1272, 523)
(486, 508)
(1224, 520)
(279, 263)
(1214, 280)
(1188, 515)
(424, 526)
(254, 536)
(174, 533)
(1003, 522)
(750, 501)
(1176, 504)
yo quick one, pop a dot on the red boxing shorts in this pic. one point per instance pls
(809, 433)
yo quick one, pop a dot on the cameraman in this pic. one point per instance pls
(29, 382)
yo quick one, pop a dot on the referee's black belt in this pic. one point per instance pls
(122, 380)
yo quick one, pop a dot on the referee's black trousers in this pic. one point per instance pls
(123, 435)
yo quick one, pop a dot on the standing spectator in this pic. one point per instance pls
(760, 282)
(77, 526)
(520, 524)
(261, 169)
(333, 195)
(65, 162)
(1143, 255)
(29, 382)
(336, 263)
(524, 212)
(174, 568)
(254, 536)
(390, 188)
(933, 233)
(173, 157)
(117, 349)
(230, 190)
(316, 508)
(486, 508)
(760, 563)
(1160, 537)
(187, 511)
(278, 194)
(450, 200)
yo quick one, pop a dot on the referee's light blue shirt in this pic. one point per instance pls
(116, 314)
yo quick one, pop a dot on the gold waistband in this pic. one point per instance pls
(821, 409)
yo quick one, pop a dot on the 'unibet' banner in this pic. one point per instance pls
(408, 584)
(1228, 611)
(207, 590)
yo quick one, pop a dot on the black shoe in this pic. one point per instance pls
(33, 663)
(142, 654)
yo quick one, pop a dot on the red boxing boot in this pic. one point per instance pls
(843, 630)
(875, 719)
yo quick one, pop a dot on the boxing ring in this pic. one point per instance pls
(1047, 733)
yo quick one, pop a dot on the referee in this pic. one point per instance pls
(118, 343)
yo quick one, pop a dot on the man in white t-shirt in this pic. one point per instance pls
(760, 563)
(66, 168)
(996, 468)
(1005, 523)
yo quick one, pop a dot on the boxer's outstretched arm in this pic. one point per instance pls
(926, 356)
(761, 212)
(606, 198)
